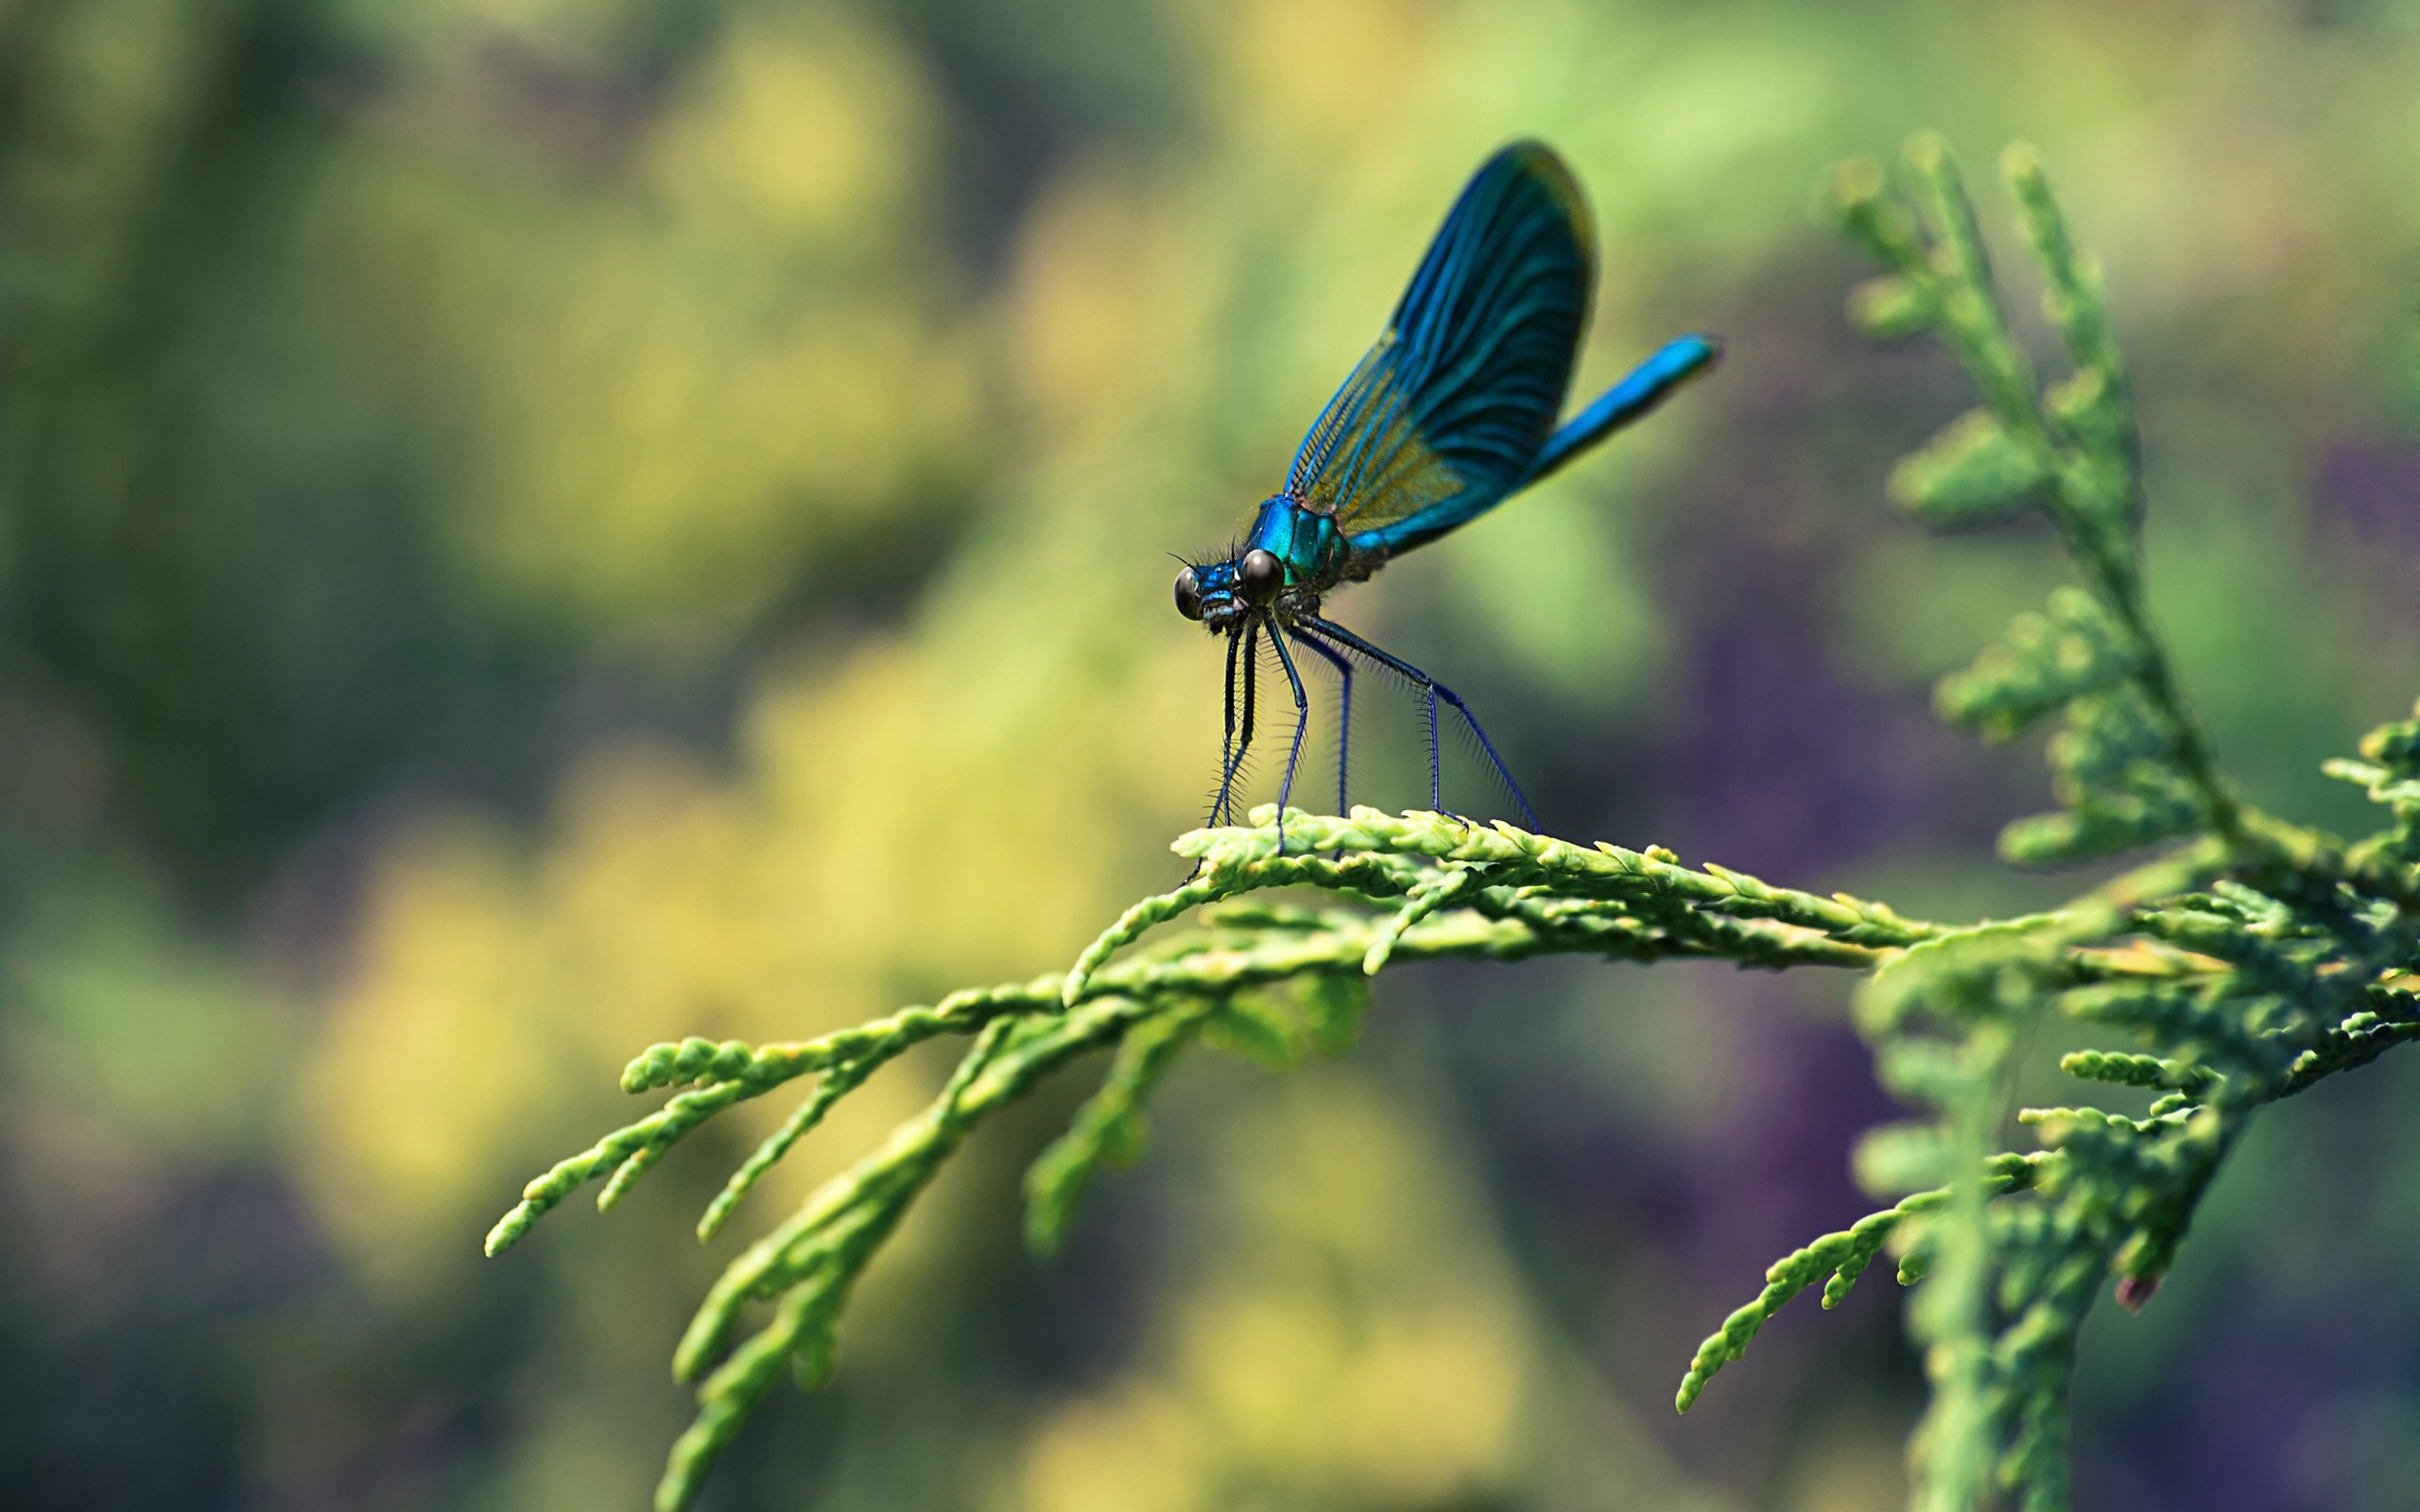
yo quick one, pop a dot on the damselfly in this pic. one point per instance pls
(1450, 414)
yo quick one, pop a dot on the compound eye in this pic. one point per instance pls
(1188, 595)
(1262, 575)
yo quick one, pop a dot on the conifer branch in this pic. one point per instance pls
(2252, 960)
(1448, 888)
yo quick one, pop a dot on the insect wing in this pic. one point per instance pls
(1446, 413)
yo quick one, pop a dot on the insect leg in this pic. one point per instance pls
(1248, 661)
(1343, 665)
(1302, 727)
(1227, 739)
(1435, 691)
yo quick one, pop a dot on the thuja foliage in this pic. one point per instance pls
(2244, 961)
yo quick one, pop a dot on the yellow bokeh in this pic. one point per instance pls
(1351, 1337)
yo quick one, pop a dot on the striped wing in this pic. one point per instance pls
(1446, 413)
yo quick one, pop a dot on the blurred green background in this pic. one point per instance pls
(531, 528)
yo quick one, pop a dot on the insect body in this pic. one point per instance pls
(1450, 414)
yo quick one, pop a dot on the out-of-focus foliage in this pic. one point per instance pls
(1344, 1336)
(493, 561)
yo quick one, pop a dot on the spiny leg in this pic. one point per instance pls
(1435, 690)
(1302, 727)
(1248, 658)
(1343, 708)
(1428, 688)
(1436, 758)
(1251, 667)
(1227, 739)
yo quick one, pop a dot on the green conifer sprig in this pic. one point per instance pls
(2132, 765)
(2252, 960)
(1262, 978)
(2266, 964)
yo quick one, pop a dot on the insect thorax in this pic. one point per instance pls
(1307, 543)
